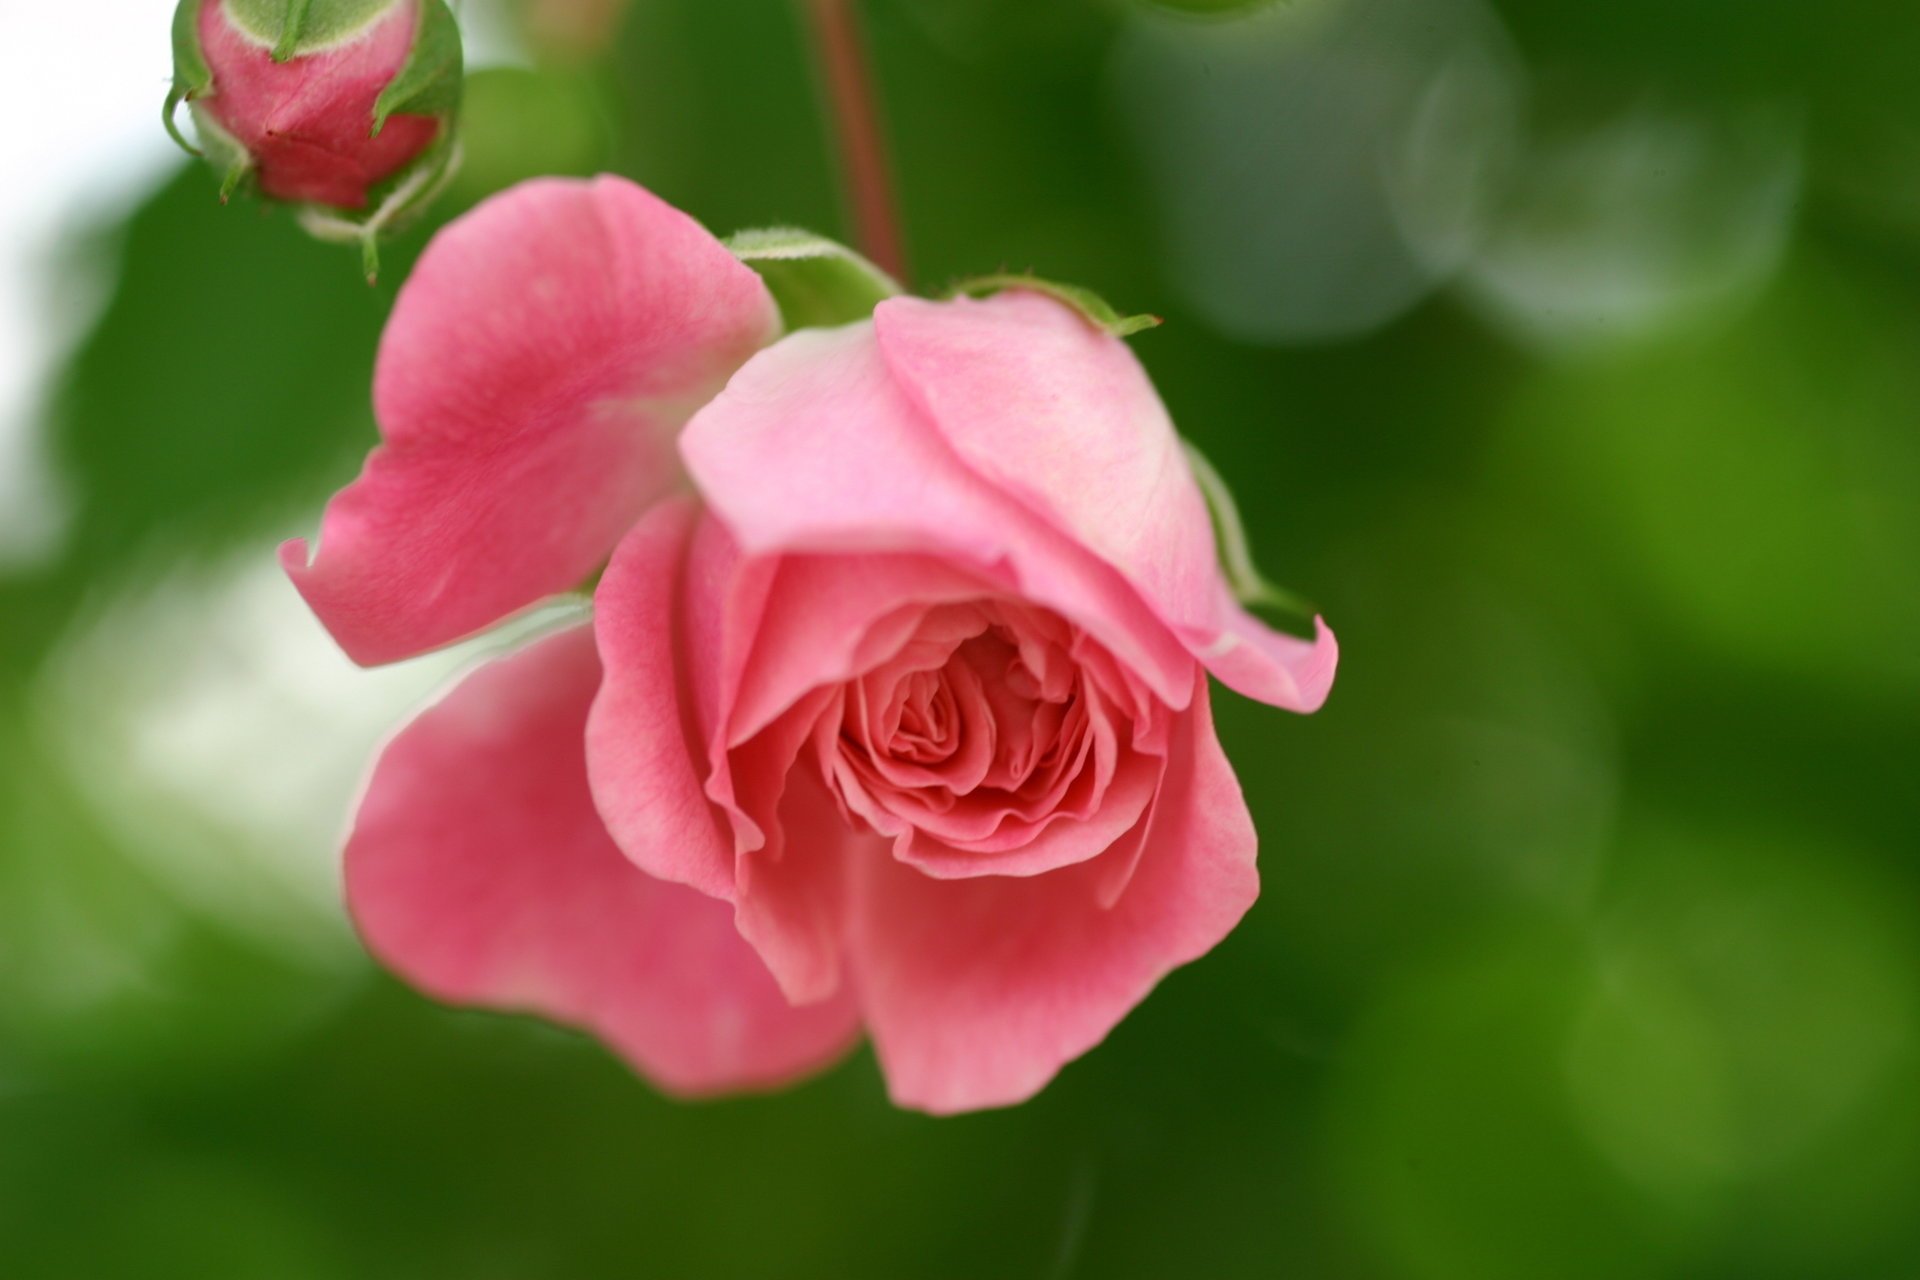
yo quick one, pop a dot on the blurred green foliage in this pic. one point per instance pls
(1590, 940)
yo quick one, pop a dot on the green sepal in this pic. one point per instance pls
(289, 41)
(1275, 605)
(817, 282)
(293, 28)
(391, 206)
(192, 77)
(1098, 311)
(236, 174)
(430, 82)
(222, 152)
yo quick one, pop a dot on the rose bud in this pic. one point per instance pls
(345, 107)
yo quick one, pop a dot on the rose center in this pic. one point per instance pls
(978, 706)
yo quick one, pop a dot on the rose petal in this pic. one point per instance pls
(479, 871)
(659, 612)
(1254, 660)
(1048, 408)
(1034, 848)
(818, 625)
(792, 907)
(538, 366)
(977, 991)
(645, 739)
(813, 448)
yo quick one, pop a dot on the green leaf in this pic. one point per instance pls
(1097, 310)
(191, 75)
(817, 281)
(1276, 606)
(430, 82)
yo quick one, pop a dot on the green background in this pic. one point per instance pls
(1589, 943)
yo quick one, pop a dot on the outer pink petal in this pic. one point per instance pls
(1052, 410)
(977, 991)
(662, 622)
(812, 447)
(479, 870)
(646, 743)
(539, 364)
(1253, 659)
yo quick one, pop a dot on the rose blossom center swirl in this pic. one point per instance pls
(995, 739)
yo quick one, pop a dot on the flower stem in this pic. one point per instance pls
(866, 178)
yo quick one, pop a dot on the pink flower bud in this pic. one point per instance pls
(322, 101)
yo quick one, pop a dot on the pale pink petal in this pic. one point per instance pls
(977, 991)
(813, 447)
(1254, 660)
(538, 366)
(645, 743)
(479, 871)
(1049, 408)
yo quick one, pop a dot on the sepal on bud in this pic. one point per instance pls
(192, 78)
(817, 282)
(1096, 310)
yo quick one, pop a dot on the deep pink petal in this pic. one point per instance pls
(539, 363)
(645, 743)
(813, 447)
(977, 991)
(1047, 407)
(479, 871)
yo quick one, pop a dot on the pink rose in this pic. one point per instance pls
(301, 117)
(898, 708)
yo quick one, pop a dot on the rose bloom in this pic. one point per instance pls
(893, 714)
(306, 124)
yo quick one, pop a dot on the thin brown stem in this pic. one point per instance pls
(853, 102)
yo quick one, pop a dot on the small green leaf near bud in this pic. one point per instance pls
(191, 75)
(430, 82)
(817, 282)
(1276, 606)
(1097, 310)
